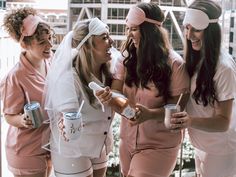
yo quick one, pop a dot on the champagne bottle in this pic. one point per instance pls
(119, 102)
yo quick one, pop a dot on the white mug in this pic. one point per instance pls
(170, 109)
(73, 125)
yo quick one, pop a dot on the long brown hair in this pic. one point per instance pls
(150, 62)
(205, 91)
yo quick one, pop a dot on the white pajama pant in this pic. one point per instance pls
(77, 167)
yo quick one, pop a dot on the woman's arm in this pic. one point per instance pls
(158, 113)
(18, 120)
(219, 122)
(117, 85)
(105, 96)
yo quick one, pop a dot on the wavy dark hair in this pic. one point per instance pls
(205, 91)
(150, 62)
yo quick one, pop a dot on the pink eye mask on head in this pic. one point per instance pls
(29, 27)
(136, 16)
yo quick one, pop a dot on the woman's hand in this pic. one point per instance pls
(104, 96)
(180, 121)
(142, 114)
(61, 128)
(19, 120)
(26, 121)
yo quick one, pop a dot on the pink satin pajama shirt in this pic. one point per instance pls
(157, 147)
(23, 146)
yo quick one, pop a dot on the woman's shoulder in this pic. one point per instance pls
(175, 58)
(173, 55)
(226, 61)
(16, 72)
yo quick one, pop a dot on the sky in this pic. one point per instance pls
(52, 4)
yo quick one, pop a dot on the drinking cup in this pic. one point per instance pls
(73, 125)
(170, 109)
(33, 112)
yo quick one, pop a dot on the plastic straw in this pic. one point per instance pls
(180, 97)
(80, 108)
(27, 97)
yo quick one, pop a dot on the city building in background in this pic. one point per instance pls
(58, 20)
(228, 23)
(232, 34)
(14, 4)
(113, 12)
(3, 4)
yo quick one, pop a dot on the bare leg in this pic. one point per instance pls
(49, 168)
(35, 175)
(100, 172)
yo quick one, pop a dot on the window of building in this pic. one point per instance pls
(62, 19)
(231, 50)
(75, 11)
(232, 22)
(112, 13)
(2, 4)
(51, 18)
(95, 12)
(117, 44)
(123, 1)
(85, 1)
(173, 35)
(117, 13)
(117, 29)
(166, 2)
(231, 37)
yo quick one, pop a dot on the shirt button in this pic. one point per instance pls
(109, 118)
(105, 133)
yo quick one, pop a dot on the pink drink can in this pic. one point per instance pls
(170, 109)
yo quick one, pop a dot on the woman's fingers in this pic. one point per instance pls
(61, 127)
(26, 121)
(104, 96)
(179, 120)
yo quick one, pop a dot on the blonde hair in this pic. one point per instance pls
(84, 61)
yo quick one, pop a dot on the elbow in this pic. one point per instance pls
(7, 119)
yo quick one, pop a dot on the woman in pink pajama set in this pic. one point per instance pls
(24, 154)
(152, 75)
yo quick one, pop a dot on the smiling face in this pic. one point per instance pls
(195, 36)
(133, 32)
(101, 48)
(40, 48)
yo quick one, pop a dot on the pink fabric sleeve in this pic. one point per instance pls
(119, 69)
(180, 82)
(12, 95)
